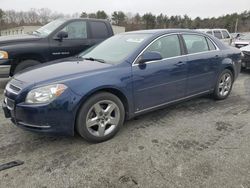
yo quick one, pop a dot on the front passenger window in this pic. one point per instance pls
(168, 46)
(76, 30)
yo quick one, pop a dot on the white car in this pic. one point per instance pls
(246, 59)
(242, 41)
(221, 34)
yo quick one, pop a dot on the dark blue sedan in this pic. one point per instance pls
(124, 76)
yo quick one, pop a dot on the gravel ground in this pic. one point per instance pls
(199, 143)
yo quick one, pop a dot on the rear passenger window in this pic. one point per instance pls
(218, 34)
(210, 44)
(168, 46)
(99, 30)
(195, 43)
(225, 34)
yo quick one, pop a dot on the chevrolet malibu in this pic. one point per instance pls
(124, 76)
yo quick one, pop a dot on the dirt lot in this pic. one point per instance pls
(199, 143)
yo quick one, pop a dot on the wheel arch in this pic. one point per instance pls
(27, 56)
(229, 64)
(232, 70)
(115, 91)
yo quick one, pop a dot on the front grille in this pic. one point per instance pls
(12, 88)
(9, 103)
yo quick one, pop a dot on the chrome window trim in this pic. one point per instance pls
(11, 90)
(217, 48)
(200, 34)
(136, 64)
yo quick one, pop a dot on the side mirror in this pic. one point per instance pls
(149, 56)
(61, 35)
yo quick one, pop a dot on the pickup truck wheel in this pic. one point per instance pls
(224, 85)
(100, 117)
(25, 64)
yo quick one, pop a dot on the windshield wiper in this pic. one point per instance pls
(94, 59)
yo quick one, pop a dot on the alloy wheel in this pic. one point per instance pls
(102, 118)
(225, 84)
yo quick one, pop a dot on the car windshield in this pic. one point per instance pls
(49, 28)
(116, 48)
(245, 37)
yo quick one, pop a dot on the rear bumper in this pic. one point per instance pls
(5, 68)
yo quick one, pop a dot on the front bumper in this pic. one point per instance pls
(57, 117)
(5, 68)
(6, 111)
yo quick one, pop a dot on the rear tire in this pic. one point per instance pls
(224, 85)
(25, 64)
(100, 117)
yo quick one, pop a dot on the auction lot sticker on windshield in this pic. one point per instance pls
(136, 40)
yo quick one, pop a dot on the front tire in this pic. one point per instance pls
(100, 117)
(224, 85)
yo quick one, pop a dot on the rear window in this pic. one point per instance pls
(225, 34)
(218, 34)
(195, 43)
(99, 30)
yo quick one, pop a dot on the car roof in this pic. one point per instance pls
(159, 32)
(84, 19)
(163, 31)
(204, 30)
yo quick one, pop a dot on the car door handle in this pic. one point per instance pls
(217, 56)
(180, 63)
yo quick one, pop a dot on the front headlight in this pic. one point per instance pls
(45, 94)
(4, 55)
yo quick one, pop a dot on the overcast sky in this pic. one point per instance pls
(193, 8)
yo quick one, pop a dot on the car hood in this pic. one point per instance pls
(59, 71)
(245, 48)
(17, 38)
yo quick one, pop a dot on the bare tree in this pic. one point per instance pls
(44, 15)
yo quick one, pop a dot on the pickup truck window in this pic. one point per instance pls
(225, 34)
(99, 30)
(49, 28)
(218, 34)
(76, 30)
(209, 32)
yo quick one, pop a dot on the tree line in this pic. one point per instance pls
(11, 18)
